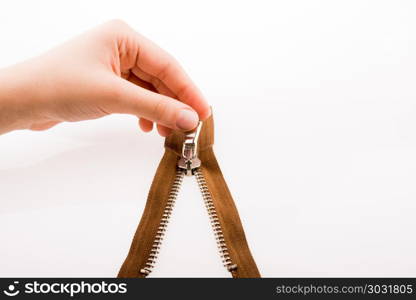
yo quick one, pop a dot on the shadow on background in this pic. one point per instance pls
(114, 166)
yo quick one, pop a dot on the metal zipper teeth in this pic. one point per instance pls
(167, 212)
(215, 222)
(212, 213)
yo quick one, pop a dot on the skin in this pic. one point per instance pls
(109, 69)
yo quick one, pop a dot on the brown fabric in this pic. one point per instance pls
(223, 201)
(146, 231)
(229, 218)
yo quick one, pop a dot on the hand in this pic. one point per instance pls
(110, 69)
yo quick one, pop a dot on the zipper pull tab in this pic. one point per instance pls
(189, 160)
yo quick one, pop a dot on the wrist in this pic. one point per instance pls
(18, 98)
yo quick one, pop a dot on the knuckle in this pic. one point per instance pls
(117, 24)
(164, 71)
(183, 91)
(169, 67)
(114, 28)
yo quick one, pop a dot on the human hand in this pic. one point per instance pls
(109, 69)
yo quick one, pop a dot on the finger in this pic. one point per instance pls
(44, 125)
(158, 63)
(143, 79)
(163, 131)
(155, 82)
(127, 97)
(146, 84)
(145, 125)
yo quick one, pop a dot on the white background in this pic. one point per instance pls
(326, 92)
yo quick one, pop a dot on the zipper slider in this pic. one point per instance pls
(189, 160)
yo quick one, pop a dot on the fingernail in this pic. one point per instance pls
(187, 120)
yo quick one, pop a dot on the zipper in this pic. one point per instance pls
(189, 164)
(215, 223)
(190, 154)
(163, 224)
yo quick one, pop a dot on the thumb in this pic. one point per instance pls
(164, 110)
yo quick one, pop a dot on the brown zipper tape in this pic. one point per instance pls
(223, 202)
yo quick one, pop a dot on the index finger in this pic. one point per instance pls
(158, 63)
